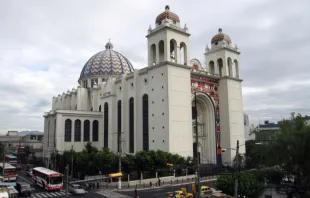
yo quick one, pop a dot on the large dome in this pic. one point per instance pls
(107, 62)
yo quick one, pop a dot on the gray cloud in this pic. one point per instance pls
(44, 46)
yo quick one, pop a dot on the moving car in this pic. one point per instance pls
(180, 194)
(23, 189)
(76, 189)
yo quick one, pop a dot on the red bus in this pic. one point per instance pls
(11, 159)
(47, 179)
(9, 172)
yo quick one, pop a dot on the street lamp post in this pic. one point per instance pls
(197, 146)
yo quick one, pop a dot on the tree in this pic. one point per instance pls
(250, 184)
(290, 149)
(254, 155)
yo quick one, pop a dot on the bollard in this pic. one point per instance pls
(150, 184)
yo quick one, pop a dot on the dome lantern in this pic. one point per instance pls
(167, 15)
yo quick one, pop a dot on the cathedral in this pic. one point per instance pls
(160, 106)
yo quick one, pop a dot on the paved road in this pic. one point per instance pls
(38, 192)
(160, 192)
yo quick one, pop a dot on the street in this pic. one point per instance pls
(161, 192)
(38, 192)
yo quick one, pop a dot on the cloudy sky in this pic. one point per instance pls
(44, 45)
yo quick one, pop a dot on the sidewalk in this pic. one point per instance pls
(272, 192)
(146, 184)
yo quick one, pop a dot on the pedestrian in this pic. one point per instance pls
(158, 181)
(136, 193)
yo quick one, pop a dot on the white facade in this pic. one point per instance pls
(151, 108)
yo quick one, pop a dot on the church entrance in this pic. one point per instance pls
(205, 114)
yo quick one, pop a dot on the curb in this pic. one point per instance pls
(163, 186)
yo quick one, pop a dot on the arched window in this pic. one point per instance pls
(86, 131)
(220, 65)
(145, 122)
(68, 130)
(183, 52)
(161, 47)
(95, 131)
(131, 126)
(100, 108)
(119, 125)
(229, 64)
(173, 51)
(92, 82)
(77, 130)
(236, 68)
(106, 125)
(153, 55)
(211, 67)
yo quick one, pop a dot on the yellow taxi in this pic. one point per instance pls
(205, 190)
(180, 194)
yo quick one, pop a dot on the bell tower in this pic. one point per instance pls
(223, 60)
(168, 41)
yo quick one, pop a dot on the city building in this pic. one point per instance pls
(267, 131)
(127, 110)
(248, 129)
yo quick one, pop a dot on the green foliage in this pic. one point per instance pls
(290, 148)
(90, 161)
(250, 183)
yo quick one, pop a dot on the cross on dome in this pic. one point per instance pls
(109, 45)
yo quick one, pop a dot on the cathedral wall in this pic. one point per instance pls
(77, 146)
(180, 121)
(158, 109)
(73, 104)
(231, 111)
(83, 103)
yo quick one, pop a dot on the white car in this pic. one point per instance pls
(76, 189)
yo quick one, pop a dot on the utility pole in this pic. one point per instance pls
(3, 160)
(72, 162)
(67, 180)
(197, 146)
(120, 150)
(237, 170)
(55, 158)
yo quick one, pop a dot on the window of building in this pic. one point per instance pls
(131, 126)
(34, 137)
(77, 130)
(145, 122)
(106, 125)
(119, 125)
(95, 131)
(68, 130)
(86, 131)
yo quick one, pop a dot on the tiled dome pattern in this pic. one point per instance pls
(107, 62)
(167, 14)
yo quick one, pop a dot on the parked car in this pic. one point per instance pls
(23, 189)
(76, 189)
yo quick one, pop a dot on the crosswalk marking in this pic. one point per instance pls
(48, 194)
(43, 195)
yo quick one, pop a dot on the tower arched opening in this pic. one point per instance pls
(206, 128)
